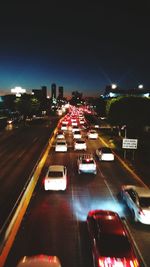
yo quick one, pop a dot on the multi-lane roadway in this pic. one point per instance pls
(55, 222)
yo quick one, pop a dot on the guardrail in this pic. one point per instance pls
(11, 225)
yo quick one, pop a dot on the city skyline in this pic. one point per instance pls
(80, 47)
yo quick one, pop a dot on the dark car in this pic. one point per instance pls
(110, 240)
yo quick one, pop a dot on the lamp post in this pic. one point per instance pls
(124, 127)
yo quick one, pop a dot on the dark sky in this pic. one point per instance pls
(82, 46)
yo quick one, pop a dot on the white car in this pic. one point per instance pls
(80, 144)
(86, 163)
(39, 261)
(64, 127)
(56, 178)
(60, 135)
(81, 121)
(92, 134)
(138, 201)
(74, 123)
(61, 145)
(77, 135)
(65, 122)
(75, 128)
(105, 154)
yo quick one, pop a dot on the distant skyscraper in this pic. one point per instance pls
(40, 93)
(60, 92)
(53, 90)
(44, 91)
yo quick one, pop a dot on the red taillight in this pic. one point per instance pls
(43, 181)
(117, 262)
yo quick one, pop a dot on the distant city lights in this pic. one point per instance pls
(18, 91)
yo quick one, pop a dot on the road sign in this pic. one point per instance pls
(129, 143)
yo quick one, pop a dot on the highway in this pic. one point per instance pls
(55, 222)
(20, 149)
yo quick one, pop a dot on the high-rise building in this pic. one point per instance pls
(44, 91)
(40, 93)
(60, 92)
(53, 91)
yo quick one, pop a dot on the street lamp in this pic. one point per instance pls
(113, 86)
(140, 86)
(124, 127)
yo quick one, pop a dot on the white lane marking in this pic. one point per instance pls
(111, 193)
(103, 176)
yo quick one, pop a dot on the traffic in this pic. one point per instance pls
(78, 211)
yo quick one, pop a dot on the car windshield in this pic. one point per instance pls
(80, 142)
(61, 143)
(120, 249)
(88, 161)
(55, 174)
(106, 150)
(144, 202)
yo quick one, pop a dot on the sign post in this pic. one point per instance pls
(129, 144)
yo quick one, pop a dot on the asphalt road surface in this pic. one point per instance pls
(55, 222)
(20, 149)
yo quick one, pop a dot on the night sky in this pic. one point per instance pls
(82, 46)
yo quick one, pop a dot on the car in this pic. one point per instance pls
(110, 241)
(64, 127)
(40, 260)
(65, 122)
(61, 145)
(92, 134)
(137, 198)
(60, 135)
(73, 119)
(77, 134)
(56, 178)
(82, 121)
(74, 123)
(75, 128)
(105, 154)
(86, 164)
(80, 144)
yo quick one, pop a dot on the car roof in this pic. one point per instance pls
(56, 168)
(109, 222)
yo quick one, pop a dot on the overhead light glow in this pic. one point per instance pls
(140, 86)
(113, 86)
